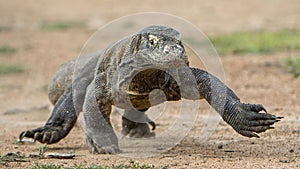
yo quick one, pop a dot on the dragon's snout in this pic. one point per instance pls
(174, 49)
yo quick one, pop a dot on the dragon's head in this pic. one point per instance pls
(159, 46)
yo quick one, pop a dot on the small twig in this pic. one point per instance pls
(232, 151)
(212, 156)
(60, 156)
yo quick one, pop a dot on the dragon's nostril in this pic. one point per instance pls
(166, 49)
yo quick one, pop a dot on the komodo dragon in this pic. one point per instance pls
(132, 68)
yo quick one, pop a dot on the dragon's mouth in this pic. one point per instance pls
(158, 61)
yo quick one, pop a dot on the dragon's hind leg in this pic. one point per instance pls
(135, 124)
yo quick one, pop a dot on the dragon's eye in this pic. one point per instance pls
(152, 40)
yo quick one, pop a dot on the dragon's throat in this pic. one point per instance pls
(141, 91)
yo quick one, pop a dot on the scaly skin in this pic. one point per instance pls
(124, 75)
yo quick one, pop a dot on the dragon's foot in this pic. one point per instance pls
(248, 120)
(137, 130)
(97, 149)
(45, 134)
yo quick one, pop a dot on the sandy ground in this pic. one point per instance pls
(255, 79)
